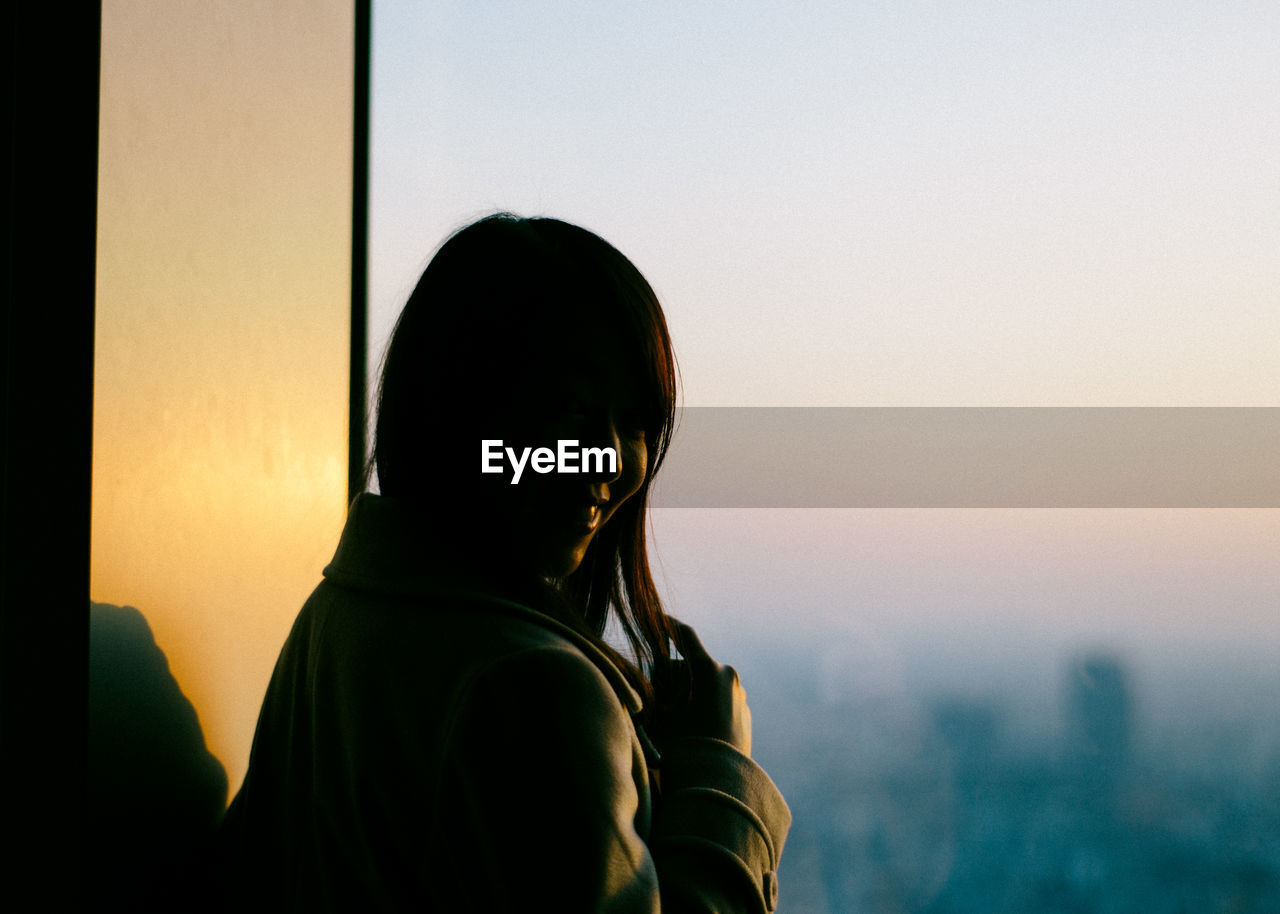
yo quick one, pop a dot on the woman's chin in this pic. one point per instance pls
(562, 560)
(562, 566)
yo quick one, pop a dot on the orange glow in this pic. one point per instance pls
(220, 402)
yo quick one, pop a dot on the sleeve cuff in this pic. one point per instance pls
(718, 799)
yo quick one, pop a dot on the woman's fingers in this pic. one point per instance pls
(690, 644)
(700, 697)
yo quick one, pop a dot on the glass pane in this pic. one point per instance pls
(905, 205)
(220, 411)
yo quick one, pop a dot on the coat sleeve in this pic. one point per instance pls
(544, 782)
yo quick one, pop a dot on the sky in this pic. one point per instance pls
(893, 204)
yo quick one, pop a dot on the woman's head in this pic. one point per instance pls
(535, 332)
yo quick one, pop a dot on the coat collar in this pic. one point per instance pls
(386, 548)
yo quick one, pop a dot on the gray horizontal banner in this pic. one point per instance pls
(972, 457)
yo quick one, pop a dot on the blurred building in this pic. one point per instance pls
(1099, 720)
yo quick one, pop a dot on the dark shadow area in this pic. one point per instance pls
(155, 794)
(49, 217)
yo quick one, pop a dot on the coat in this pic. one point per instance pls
(421, 748)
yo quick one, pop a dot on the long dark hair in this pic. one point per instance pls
(488, 309)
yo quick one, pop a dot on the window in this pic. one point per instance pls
(223, 303)
(924, 205)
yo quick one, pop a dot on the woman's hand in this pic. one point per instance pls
(697, 696)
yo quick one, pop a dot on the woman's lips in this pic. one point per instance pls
(587, 517)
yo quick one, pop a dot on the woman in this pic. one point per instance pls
(447, 728)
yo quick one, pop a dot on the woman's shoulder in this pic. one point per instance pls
(541, 653)
(456, 637)
(537, 692)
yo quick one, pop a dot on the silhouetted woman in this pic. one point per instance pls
(446, 728)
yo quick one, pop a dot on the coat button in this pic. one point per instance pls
(770, 890)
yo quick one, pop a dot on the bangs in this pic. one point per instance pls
(611, 290)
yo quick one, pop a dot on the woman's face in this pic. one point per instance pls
(551, 518)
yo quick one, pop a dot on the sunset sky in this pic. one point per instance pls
(879, 204)
(894, 204)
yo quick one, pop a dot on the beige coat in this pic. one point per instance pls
(423, 750)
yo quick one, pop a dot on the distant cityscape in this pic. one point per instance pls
(941, 803)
